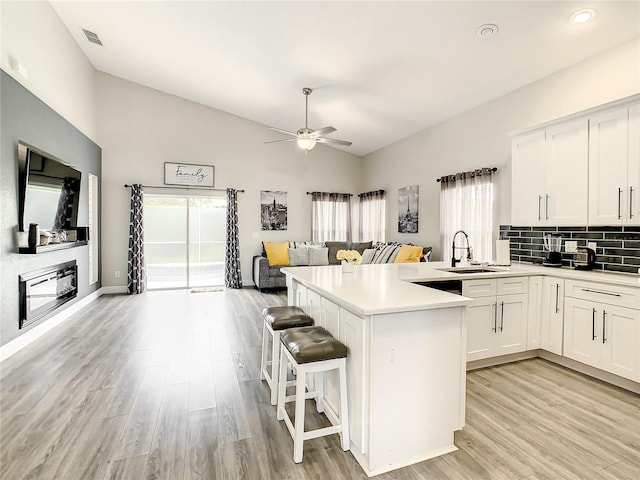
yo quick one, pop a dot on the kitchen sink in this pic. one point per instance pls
(468, 270)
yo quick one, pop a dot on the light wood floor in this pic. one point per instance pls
(166, 385)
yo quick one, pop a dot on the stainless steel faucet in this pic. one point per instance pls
(455, 260)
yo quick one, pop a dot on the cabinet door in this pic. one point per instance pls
(566, 180)
(552, 318)
(581, 328)
(620, 340)
(352, 334)
(314, 308)
(535, 313)
(482, 321)
(633, 166)
(608, 154)
(511, 335)
(527, 179)
(300, 297)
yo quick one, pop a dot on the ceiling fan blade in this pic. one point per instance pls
(283, 140)
(284, 131)
(323, 131)
(333, 140)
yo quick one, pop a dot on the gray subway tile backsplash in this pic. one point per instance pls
(618, 248)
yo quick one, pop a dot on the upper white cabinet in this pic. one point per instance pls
(614, 167)
(549, 176)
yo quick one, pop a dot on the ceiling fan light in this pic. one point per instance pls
(306, 143)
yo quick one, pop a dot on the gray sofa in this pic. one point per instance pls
(266, 277)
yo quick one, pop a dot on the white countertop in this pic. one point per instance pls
(387, 288)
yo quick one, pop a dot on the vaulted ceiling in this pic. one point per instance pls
(380, 71)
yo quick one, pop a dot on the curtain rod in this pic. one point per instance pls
(332, 193)
(185, 188)
(494, 169)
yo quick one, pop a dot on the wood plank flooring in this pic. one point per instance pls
(166, 385)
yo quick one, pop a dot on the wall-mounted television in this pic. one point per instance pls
(48, 190)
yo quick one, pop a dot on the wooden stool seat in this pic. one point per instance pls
(311, 350)
(275, 320)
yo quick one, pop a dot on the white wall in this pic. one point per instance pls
(59, 74)
(141, 128)
(479, 137)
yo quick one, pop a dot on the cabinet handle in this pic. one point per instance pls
(593, 326)
(601, 293)
(604, 326)
(557, 295)
(546, 207)
(495, 317)
(619, 203)
(539, 207)
(502, 316)
(630, 203)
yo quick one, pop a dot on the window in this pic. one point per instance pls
(372, 219)
(330, 217)
(466, 203)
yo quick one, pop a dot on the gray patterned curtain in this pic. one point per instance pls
(136, 276)
(232, 274)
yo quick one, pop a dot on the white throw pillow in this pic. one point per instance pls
(298, 256)
(318, 256)
(367, 255)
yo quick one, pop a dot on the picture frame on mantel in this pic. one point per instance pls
(189, 174)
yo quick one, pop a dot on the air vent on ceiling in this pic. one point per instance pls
(92, 37)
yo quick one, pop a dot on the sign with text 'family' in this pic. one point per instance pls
(188, 174)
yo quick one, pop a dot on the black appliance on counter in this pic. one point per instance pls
(584, 259)
(553, 246)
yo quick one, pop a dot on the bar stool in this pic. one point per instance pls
(277, 319)
(312, 350)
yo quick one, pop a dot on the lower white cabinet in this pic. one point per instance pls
(552, 315)
(602, 335)
(535, 313)
(496, 324)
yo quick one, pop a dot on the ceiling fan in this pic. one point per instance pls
(305, 137)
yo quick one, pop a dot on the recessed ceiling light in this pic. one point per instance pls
(487, 30)
(582, 16)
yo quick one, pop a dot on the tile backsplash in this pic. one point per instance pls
(618, 248)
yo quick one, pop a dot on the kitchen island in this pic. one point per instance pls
(407, 358)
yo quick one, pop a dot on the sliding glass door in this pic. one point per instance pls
(184, 240)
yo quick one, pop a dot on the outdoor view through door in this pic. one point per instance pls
(184, 240)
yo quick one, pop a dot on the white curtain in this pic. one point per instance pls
(466, 203)
(330, 217)
(372, 219)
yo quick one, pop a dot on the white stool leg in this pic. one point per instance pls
(298, 440)
(319, 386)
(275, 355)
(265, 346)
(282, 385)
(344, 406)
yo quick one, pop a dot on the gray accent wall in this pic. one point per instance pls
(25, 117)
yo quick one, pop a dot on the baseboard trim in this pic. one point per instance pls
(38, 331)
(116, 290)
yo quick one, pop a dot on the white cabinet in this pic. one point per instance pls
(497, 322)
(614, 167)
(603, 335)
(535, 313)
(552, 315)
(549, 182)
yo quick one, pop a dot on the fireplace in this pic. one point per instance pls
(44, 290)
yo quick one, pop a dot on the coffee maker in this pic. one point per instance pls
(552, 245)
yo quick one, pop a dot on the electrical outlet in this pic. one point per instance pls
(571, 246)
(117, 273)
(256, 234)
(592, 245)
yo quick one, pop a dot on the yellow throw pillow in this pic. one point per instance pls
(408, 253)
(277, 253)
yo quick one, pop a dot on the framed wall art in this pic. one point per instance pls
(273, 210)
(188, 174)
(408, 209)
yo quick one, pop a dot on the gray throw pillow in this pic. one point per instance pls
(333, 250)
(318, 256)
(298, 256)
